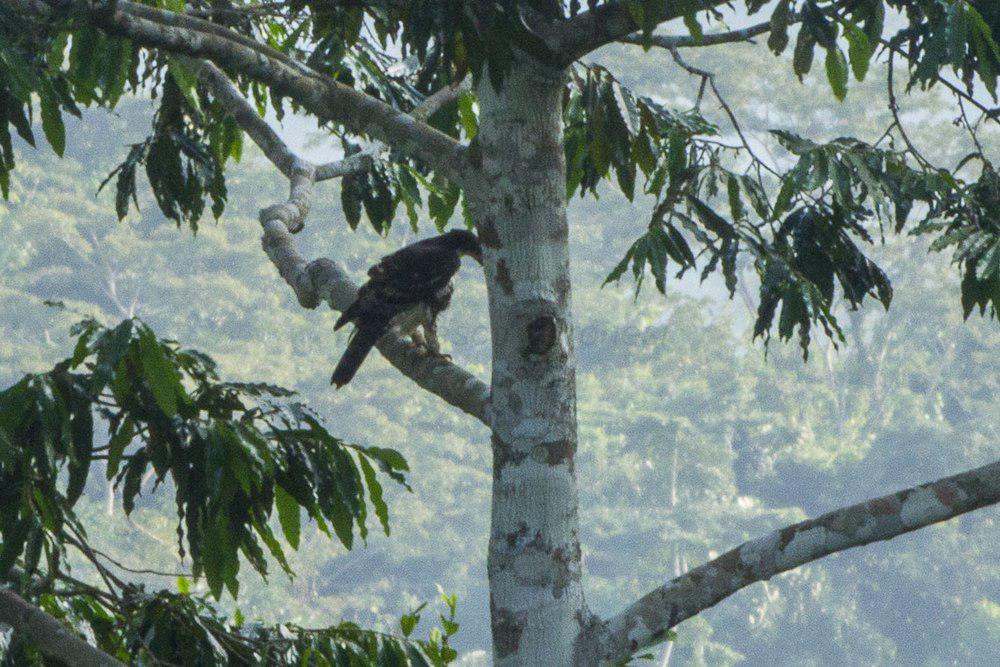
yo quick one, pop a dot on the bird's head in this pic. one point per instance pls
(466, 243)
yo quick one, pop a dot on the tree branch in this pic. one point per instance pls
(363, 160)
(604, 24)
(319, 94)
(647, 620)
(712, 39)
(323, 279)
(50, 636)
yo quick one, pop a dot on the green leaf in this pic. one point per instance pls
(119, 441)
(784, 199)
(82, 432)
(875, 22)
(859, 50)
(159, 373)
(57, 52)
(836, 72)
(52, 123)
(777, 41)
(449, 627)
(736, 207)
(14, 536)
(802, 59)
(186, 82)
(407, 623)
(694, 28)
(467, 115)
(288, 515)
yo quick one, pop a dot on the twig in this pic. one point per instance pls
(894, 109)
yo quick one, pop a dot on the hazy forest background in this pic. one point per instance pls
(691, 437)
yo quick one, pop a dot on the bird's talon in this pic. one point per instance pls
(431, 352)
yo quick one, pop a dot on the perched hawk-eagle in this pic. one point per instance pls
(405, 289)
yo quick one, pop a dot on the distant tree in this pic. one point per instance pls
(489, 104)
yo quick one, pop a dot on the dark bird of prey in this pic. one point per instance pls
(405, 290)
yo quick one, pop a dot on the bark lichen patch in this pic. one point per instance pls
(475, 153)
(884, 506)
(518, 538)
(547, 154)
(754, 554)
(851, 521)
(731, 564)
(562, 288)
(507, 628)
(504, 455)
(503, 277)
(567, 559)
(488, 235)
(542, 332)
(947, 493)
(554, 453)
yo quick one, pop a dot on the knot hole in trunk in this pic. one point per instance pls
(542, 333)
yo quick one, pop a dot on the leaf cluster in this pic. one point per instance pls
(802, 229)
(184, 157)
(235, 455)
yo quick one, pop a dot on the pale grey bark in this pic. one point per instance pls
(519, 206)
(50, 636)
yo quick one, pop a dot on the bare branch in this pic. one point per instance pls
(441, 98)
(647, 620)
(262, 134)
(50, 636)
(604, 24)
(363, 160)
(712, 39)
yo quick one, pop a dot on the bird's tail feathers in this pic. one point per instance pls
(360, 344)
(347, 316)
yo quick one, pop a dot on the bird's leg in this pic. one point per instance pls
(431, 343)
(418, 338)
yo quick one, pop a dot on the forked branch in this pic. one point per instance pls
(323, 279)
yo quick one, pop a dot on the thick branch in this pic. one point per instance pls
(607, 23)
(50, 636)
(320, 95)
(712, 39)
(647, 620)
(262, 134)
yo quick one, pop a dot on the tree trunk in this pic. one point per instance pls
(519, 206)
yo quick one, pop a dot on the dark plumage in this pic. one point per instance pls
(414, 278)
